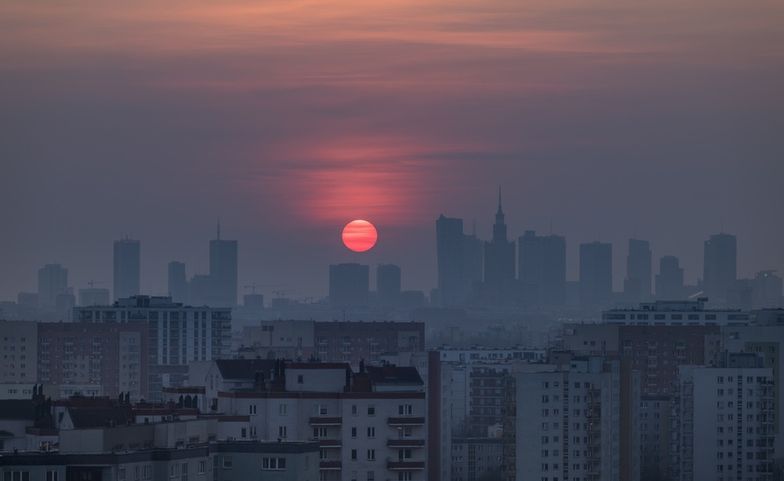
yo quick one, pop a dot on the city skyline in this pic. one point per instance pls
(288, 121)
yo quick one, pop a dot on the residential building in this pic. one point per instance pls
(177, 334)
(725, 422)
(18, 352)
(476, 459)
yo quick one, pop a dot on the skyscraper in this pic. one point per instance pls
(669, 280)
(349, 284)
(637, 285)
(388, 283)
(127, 268)
(223, 271)
(720, 266)
(178, 285)
(449, 256)
(595, 273)
(542, 268)
(52, 281)
(94, 296)
(499, 258)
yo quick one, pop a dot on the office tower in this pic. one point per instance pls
(52, 281)
(178, 285)
(637, 285)
(595, 273)
(473, 262)
(223, 271)
(349, 284)
(127, 268)
(669, 280)
(178, 334)
(725, 421)
(499, 257)
(720, 266)
(94, 296)
(388, 284)
(542, 268)
(449, 253)
(576, 421)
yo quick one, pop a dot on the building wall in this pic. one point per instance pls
(18, 351)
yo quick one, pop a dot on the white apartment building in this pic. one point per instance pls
(370, 424)
(725, 423)
(676, 313)
(577, 422)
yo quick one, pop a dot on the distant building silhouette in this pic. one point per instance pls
(499, 259)
(720, 266)
(223, 271)
(349, 284)
(451, 265)
(637, 284)
(595, 273)
(52, 281)
(177, 282)
(94, 296)
(388, 284)
(541, 270)
(669, 280)
(127, 268)
(767, 290)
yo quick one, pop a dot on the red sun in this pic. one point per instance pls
(359, 235)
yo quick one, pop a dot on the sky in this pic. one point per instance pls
(600, 119)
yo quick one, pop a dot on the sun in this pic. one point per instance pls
(359, 235)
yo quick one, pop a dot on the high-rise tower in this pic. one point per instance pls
(127, 268)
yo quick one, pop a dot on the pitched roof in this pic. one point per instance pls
(393, 375)
(17, 409)
(244, 368)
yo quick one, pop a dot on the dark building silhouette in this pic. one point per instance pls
(669, 280)
(595, 273)
(52, 281)
(637, 284)
(223, 271)
(349, 284)
(388, 283)
(499, 259)
(449, 252)
(720, 266)
(541, 270)
(177, 282)
(127, 268)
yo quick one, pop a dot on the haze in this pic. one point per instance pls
(287, 119)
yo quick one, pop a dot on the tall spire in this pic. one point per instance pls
(499, 228)
(500, 209)
(218, 228)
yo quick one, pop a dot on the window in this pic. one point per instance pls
(16, 476)
(282, 432)
(252, 409)
(353, 432)
(404, 476)
(283, 409)
(147, 472)
(322, 410)
(371, 410)
(371, 454)
(51, 475)
(319, 433)
(172, 471)
(300, 379)
(354, 409)
(184, 472)
(371, 476)
(405, 409)
(371, 432)
(353, 454)
(273, 463)
(227, 462)
(202, 467)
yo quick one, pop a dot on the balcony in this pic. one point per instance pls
(329, 443)
(330, 465)
(406, 421)
(405, 443)
(405, 465)
(325, 421)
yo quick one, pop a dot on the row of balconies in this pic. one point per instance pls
(392, 465)
(392, 421)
